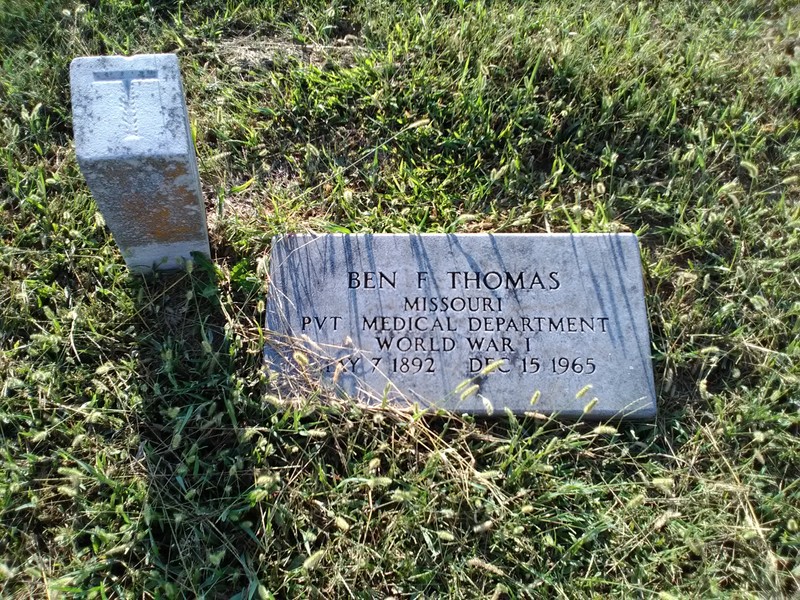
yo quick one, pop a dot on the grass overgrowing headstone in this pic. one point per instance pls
(469, 323)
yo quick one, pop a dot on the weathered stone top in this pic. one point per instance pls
(128, 106)
(470, 323)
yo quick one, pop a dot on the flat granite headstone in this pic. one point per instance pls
(135, 149)
(470, 323)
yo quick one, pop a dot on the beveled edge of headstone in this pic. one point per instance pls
(146, 260)
(274, 353)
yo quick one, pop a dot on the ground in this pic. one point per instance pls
(144, 451)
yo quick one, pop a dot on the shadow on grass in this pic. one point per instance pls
(249, 487)
(195, 409)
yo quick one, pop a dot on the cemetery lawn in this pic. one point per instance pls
(144, 453)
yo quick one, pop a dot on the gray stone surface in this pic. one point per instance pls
(419, 318)
(135, 149)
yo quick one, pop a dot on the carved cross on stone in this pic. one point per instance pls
(130, 81)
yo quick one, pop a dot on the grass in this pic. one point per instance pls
(145, 454)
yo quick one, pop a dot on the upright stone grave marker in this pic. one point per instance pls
(468, 323)
(135, 150)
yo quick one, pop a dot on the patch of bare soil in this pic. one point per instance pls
(250, 53)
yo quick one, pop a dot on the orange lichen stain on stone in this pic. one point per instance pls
(147, 209)
(169, 221)
(160, 229)
(175, 170)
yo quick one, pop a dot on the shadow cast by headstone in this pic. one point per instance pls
(227, 453)
(190, 424)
